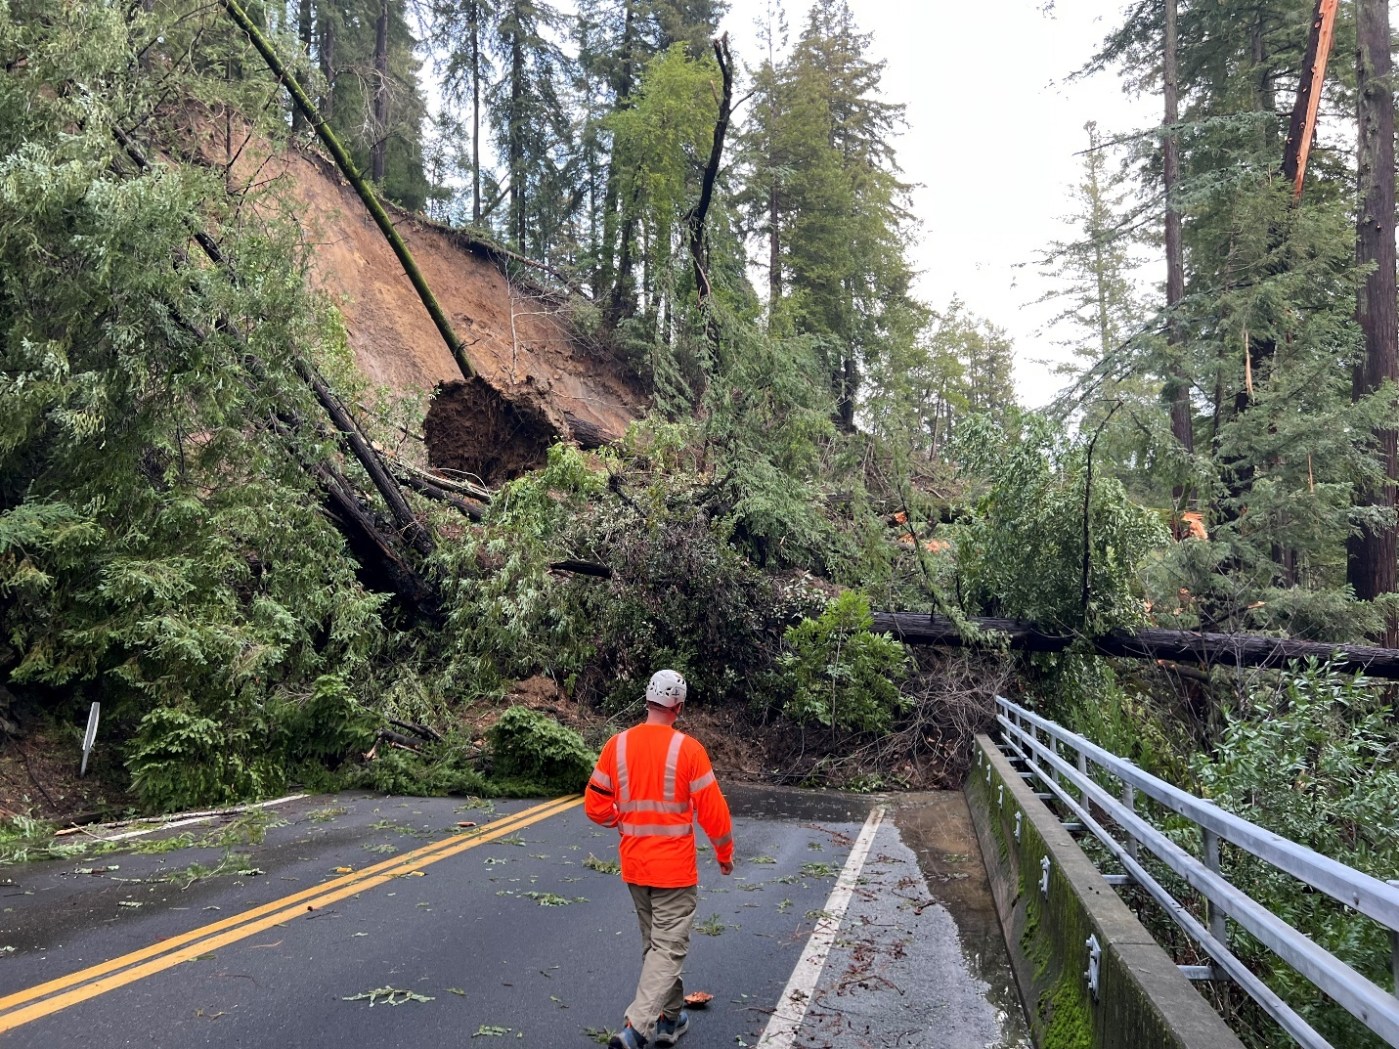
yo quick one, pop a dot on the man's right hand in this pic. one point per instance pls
(725, 868)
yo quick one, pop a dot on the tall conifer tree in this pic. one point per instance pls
(1371, 567)
(842, 222)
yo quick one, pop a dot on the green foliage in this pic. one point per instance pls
(1022, 554)
(439, 770)
(959, 365)
(160, 542)
(660, 144)
(769, 420)
(327, 727)
(843, 676)
(1317, 762)
(348, 100)
(180, 759)
(529, 747)
(680, 596)
(504, 619)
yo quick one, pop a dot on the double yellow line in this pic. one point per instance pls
(46, 998)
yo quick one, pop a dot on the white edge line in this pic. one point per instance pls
(786, 1020)
(206, 817)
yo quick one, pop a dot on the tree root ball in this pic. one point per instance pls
(472, 428)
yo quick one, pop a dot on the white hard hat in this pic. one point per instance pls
(667, 689)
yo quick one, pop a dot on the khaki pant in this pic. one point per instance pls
(665, 916)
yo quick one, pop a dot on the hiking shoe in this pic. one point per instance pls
(628, 1038)
(668, 1032)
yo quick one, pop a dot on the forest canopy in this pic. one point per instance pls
(200, 530)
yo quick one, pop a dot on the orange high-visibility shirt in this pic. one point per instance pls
(652, 783)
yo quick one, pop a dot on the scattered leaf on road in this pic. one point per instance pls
(388, 996)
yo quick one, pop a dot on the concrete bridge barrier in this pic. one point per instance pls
(1089, 974)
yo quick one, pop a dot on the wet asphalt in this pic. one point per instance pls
(520, 941)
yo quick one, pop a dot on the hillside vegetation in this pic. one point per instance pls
(290, 532)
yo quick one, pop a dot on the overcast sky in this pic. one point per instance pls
(991, 141)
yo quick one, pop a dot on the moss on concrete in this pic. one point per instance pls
(1143, 1000)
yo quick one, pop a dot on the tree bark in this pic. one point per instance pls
(325, 25)
(475, 113)
(697, 216)
(1177, 383)
(1236, 650)
(519, 194)
(304, 26)
(1370, 555)
(379, 149)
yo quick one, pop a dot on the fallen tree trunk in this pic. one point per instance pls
(375, 547)
(1235, 650)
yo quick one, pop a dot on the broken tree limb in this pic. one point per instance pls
(398, 739)
(375, 548)
(699, 248)
(1302, 127)
(581, 568)
(1210, 649)
(373, 464)
(473, 492)
(424, 731)
(416, 481)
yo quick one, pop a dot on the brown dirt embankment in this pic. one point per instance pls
(518, 336)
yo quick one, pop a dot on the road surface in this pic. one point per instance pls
(363, 920)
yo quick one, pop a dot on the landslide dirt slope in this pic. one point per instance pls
(519, 338)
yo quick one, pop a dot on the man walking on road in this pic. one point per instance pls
(651, 783)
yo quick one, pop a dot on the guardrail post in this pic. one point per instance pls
(1217, 927)
(1129, 798)
(1394, 958)
(1394, 951)
(1083, 771)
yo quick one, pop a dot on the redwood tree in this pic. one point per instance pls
(1370, 554)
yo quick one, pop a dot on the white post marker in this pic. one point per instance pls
(786, 1021)
(90, 737)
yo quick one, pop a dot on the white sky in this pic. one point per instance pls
(991, 142)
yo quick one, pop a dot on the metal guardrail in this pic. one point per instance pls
(1061, 759)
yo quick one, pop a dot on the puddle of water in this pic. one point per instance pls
(949, 946)
(938, 828)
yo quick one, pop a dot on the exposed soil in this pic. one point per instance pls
(470, 430)
(518, 334)
(518, 337)
(39, 778)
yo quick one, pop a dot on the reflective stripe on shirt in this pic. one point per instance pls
(623, 787)
(697, 785)
(680, 807)
(663, 830)
(672, 763)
